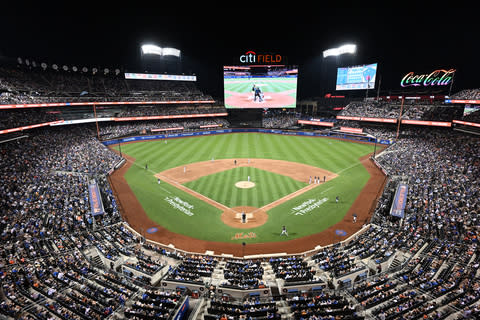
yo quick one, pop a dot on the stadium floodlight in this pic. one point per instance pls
(347, 48)
(156, 50)
(151, 49)
(171, 52)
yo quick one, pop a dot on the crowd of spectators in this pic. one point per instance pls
(322, 306)
(467, 94)
(280, 119)
(21, 85)
(124, 128)
(47, 228)
(292, 269)
(412, 110)
(193, 269)
(242, 274)
(252, 308)
(443, 178)
(374, 109)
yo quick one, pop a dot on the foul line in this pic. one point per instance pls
(133, 162)
(223, 207)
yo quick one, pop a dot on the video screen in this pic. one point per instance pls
(357, 77)
(258, 86)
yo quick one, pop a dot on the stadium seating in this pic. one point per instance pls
(57, 261)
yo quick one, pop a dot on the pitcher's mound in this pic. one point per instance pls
(244, 184)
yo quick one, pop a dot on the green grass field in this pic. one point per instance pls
(306, 214)
(269, 187)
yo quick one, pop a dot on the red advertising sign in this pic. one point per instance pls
(167, 129)
(384, 120)
(428, 123)
(467, 123)
(351, 130)
(316, 123)
(30, 127)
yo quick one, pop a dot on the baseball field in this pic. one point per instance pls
(277, 92)
(200, 186)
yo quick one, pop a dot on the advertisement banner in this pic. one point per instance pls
(400, 200)
(31, 126)
(316, 123)
(236, 130)
(351, 130)
(467, 123)
(428, 123)
(384, 120)
(462, 101)
(167, 77)
(96, 204)
(167, 129)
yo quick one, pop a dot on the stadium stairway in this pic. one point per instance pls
(395, 263)
(217, 275)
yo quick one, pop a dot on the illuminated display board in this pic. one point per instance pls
(439, 77)
(357, 77)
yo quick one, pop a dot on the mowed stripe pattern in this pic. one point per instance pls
(336, 156)
(269, 187)
(332, 155)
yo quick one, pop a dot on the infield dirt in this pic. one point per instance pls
(134, 214)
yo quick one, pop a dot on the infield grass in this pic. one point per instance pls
(158, 200)
(268, 187)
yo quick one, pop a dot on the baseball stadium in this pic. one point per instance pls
(270, 183)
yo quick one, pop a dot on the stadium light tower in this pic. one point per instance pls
(160, 59)
(158, 51)
(346, 48)
(151, 49)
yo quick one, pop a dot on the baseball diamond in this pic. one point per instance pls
(254, 164)
(287, 171)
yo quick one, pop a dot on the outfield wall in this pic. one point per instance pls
(243, 130)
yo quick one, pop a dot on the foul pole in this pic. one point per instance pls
(399, 118)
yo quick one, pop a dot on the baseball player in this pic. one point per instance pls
(284, 231)
(258, 93)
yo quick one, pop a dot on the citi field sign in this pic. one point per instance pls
(252, 57)
(439, 77)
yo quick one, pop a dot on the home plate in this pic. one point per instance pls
(244, 184)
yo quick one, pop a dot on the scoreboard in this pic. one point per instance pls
(356, 77)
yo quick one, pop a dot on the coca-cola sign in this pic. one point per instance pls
(439, 77)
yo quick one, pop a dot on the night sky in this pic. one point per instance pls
(399, 39)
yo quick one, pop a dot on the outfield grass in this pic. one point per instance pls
(337, 156)
(269, 187)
